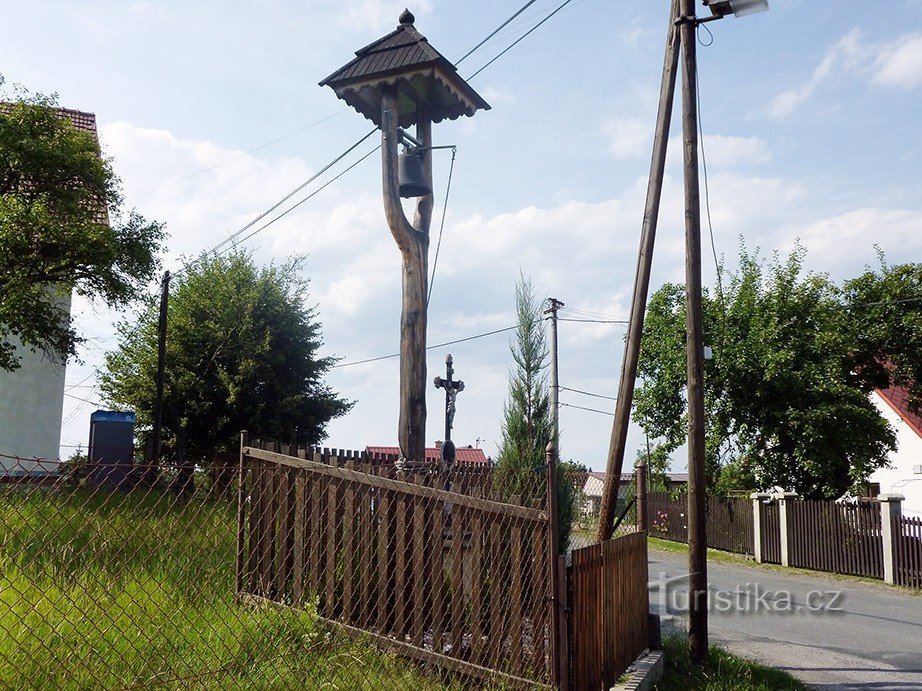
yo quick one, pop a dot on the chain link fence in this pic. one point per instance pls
(298, 568)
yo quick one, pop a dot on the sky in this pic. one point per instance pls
(211, 112)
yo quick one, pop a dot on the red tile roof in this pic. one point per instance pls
(464, 454)
(897, 397)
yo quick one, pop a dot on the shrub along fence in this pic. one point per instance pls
(869, 538)
(424, 566)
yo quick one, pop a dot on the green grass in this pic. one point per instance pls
(724, 672)
(101, 590)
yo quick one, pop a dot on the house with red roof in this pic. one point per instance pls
(904, 476)
(464, 455)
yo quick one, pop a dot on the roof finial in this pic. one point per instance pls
(407, 18)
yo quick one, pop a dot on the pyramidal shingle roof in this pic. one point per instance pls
(425, 78)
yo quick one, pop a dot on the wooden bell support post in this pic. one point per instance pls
(398, 81)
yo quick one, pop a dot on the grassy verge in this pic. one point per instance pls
(717, 555)
(724, 672)
(116, 590)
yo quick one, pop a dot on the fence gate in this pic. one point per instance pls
(770, 525)
(609, 605)
(451, 580)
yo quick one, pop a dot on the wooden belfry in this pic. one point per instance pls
(398, 81)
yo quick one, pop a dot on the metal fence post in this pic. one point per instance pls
(784, 520)
(890, 513)
(758, 550)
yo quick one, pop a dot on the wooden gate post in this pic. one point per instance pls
(784, 520)
(890, 512)
(758, 549)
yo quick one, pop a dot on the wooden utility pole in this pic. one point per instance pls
(151, 471)
(697, 540)
(413, 241)
(641, 285)
(553, 305)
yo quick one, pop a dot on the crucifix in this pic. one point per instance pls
(452, 389)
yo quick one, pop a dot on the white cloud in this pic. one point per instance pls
(900, 65)
(628, 137)
(843, 244)
(894, 64)
(843, 55)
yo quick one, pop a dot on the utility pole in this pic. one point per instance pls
(697, 540)
(553, 305)
(151, 471)
(619, 428)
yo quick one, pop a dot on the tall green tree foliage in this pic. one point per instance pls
(795, 357)
(241, 354)
(527, 413)
(55, 193)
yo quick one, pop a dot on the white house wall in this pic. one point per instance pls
(900, 478)
(31, 407)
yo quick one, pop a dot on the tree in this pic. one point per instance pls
(527, 414)
(56, 193)
(786, 392)
(241, 354)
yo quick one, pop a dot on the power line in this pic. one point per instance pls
(496, 31)
(886, 302)
(594, 321)
(591, 410)
(521, 38)
(311, 195)
(437, 345)
(233, 236)
(85, 400)
(587, 393)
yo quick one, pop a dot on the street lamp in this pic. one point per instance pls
(738, 8)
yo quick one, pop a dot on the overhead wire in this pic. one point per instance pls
(431, 347)
(587, 393)
(496, 31)
(521, 38)
(233, 236)
(438, 245)
(591, 410)
(308, 197)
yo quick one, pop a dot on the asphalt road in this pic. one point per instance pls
(832, 634)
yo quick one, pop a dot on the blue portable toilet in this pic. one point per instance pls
(111, 448)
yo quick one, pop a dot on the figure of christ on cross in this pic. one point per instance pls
(452, 389)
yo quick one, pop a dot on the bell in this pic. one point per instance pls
(410, 176)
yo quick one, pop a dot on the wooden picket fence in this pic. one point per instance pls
(908, 557)
(447, 578)
(839, 538)
(729, 520)
(609, 609)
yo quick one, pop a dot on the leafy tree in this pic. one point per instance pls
(786, 392)
(527, 414)
(55, 194)
(241, 354)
